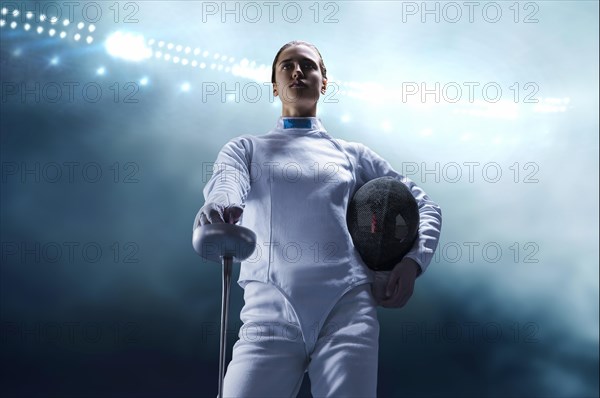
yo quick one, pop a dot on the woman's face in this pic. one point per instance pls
(299, 81)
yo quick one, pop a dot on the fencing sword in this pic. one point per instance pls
(224, 243)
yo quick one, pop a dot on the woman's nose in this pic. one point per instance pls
(297, 71)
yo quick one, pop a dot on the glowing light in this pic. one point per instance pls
(187, 50)
(185, 87)
(196, 51)
(52, 32)
(127, 46)
(194, 63)
(42, 18)
(26, 26)
(167, 57)
(216, 56)
(13, 24)
(89, 39)
(63, 34)
(213, 66)
(66, 22)
(40, 29)
(4, 11)
(224, 57)
(205, 54)
(247, 70)
(53, 20)
(151, 42)
(346, 118)
(77, 36)
(220, 67)
(29, 15)
(386, 126)
(184, 61)
(2, 23)
(179, 48)
(16, 13)
(80, 25)
(175, 60)
(170, 46)
(161, 43)
(101, 71)
(158, 54)
(54, 61)
(92, 28)
(231, 59)
(202, 65)
(144, 81)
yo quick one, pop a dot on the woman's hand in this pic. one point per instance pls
(212, 213)
(395, 290)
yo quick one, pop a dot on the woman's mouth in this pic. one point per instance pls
(297, 84)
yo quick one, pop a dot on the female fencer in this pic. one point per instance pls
(309, 303)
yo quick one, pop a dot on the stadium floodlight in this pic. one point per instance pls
(127, 46)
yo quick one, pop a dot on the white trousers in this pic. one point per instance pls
(274, 351)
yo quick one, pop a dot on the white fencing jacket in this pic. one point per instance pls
(295, 184)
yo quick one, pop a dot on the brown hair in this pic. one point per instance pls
(296, 43)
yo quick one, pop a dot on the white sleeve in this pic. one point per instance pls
(374, 166)
(230, 181)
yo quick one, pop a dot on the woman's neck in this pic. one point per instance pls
(295, 112)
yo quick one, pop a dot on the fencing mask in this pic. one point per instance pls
(383, 220)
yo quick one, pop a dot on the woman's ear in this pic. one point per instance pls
(275, 90)
(324, 87)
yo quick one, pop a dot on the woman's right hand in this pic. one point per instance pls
(213, 213)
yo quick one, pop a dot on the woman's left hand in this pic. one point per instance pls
(400, 284)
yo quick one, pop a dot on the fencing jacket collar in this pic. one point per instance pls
(299, 125)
